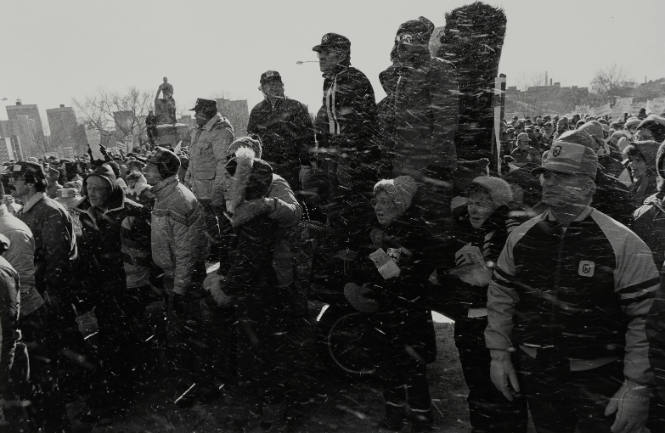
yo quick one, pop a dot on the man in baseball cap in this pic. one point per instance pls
(581, 279)
(333, 41)
(286, 145)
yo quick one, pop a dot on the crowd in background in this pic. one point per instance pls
(203, 264)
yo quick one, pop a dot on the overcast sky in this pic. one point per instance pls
(56, 50)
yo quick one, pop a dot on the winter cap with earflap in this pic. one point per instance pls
(498, 189)
(104, 172)
(166, 161)
(401, 190)
(248, 142)
(595, 130)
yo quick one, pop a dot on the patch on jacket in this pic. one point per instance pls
(586, 268)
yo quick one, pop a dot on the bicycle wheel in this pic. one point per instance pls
(352, 344)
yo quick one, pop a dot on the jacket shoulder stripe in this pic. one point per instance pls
(654, 282)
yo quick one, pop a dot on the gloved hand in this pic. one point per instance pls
(213, 284)
(503, 373)
(250, 209)
(631, 404)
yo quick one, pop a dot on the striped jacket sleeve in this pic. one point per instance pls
(502, 298)
(636, 285)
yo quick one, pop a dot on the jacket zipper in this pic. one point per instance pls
(557, 282)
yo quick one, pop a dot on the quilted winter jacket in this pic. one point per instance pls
(207, 157)
(177, 233)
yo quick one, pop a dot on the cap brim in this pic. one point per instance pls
(317, 48)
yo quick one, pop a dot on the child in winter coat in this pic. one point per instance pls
(391, 275)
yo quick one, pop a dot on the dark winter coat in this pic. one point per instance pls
(404, 302)
(55, 245)
(114, 246)
(285, 129)
(9, 312)
(649, 219)
(250, 277)
(612, 197)
(346, 125)
(420, 116)
(454, 297)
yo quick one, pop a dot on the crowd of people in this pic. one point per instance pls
(202, 264)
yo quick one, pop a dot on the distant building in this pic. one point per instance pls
(64, 129)
(25, 129)
(81, 141)
(6, 153)
(5, 128)
(36, 136)
(237, 112)
(545, 99)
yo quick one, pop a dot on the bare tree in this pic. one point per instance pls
(120, 114)
(608, 80)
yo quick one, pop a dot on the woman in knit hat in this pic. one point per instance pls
(390, 278)
(479, 234)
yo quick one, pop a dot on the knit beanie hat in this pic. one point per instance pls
(401, 190)
(247, 141)
(498, 189)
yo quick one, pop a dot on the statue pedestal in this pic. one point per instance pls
(170, 135)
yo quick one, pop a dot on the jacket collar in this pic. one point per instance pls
(548, 216)
(162, 188)
(217, 118)
(33, 200)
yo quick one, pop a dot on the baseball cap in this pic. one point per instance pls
(270, 76)
(205, 105)
(569, 157)
(333, 41)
